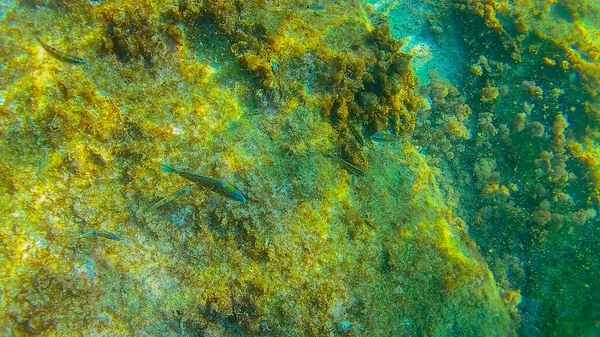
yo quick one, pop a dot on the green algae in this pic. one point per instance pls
(260, 97)
(529, 184)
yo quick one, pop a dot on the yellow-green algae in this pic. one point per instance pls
(195, 85)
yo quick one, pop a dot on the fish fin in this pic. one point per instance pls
(167, 168)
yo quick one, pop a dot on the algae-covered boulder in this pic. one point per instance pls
(275, 99)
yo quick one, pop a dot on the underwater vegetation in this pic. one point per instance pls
(517, 136)
(375, 201)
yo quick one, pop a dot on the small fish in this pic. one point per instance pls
(61, 55)
(171, 197)
(103, 234)
(214, 185)
(384, 137)
(316, 7)
(352, 168)
(358, 136)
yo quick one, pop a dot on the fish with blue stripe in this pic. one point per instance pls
(102, 234)
(217, 186)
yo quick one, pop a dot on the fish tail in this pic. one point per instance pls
(167, 168)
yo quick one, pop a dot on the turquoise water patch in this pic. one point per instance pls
(434, 44)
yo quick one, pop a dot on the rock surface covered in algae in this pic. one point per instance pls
(272, 97)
